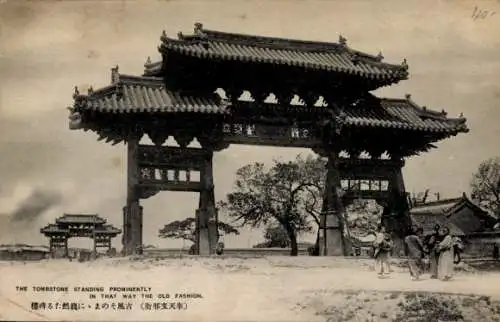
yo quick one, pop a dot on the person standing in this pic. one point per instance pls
(383, 246)
(415, 251)
(431, 244)
(445, 261)
(458, 248)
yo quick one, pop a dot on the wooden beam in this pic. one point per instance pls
(172, 186)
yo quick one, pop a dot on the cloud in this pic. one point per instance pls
(38, 202)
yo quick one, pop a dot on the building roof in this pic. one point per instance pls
(402, 114)
(16, 248)
(450, 206)
(441, 212)
(80, 219)
(428, 220)
(107, 229)
(439, 207)
(135, 94)
(53, 229)
(223, 46)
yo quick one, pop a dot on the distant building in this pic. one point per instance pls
(79, 225)
(23, 252)
(465, 219)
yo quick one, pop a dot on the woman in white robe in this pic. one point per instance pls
(445, 261)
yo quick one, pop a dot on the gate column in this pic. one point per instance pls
(206, 214)
(331, 240)
(396, 218)
(132, 212)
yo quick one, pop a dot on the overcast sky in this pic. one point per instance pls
(48, 47)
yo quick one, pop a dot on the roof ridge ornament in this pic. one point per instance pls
(148, 61)
(380, 57)
(115, 76)
(342, 41)
(90, 90)
(408, 96)
(200, 33)
(76, 92)
(198, 28)
(163, 36)
(404, 64)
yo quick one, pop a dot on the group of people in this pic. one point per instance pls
(442, 249)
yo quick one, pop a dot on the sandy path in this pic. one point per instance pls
(232, 289)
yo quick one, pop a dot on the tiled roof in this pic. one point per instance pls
(52, 229)
(402, 114)
(450, 206)
(428, 220)
(337, 57)
(80, 219)
(132, 94)
(108, 229)
(22, 247)
(439, 207)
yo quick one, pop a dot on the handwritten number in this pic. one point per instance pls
(481, 14)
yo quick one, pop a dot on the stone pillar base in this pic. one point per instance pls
(206, 232)
(330, 237)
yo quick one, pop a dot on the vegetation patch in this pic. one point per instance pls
(344, 306)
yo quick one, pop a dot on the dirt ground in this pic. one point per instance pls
(243, 289)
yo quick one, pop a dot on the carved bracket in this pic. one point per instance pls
(284, 98)
(158, 138)
(233, 94)
(184, 139)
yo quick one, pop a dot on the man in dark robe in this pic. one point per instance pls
(415, 249)
(431, 244)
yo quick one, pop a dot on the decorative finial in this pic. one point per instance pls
(163, 37)
(443, 112)
(148, 61)
(115, 77)
(408, 96)
(76, 92)
(90, 90)
(342, 40)
(404, 64)
(461, 115)
(380, 56)
(180, 35)
(198, 28)
(424, 108)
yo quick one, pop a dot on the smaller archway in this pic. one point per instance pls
(79, 225)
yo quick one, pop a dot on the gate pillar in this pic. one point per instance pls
(331, 239)
(132, 229)
(132, 212)
(206, 217)
(396, 215)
